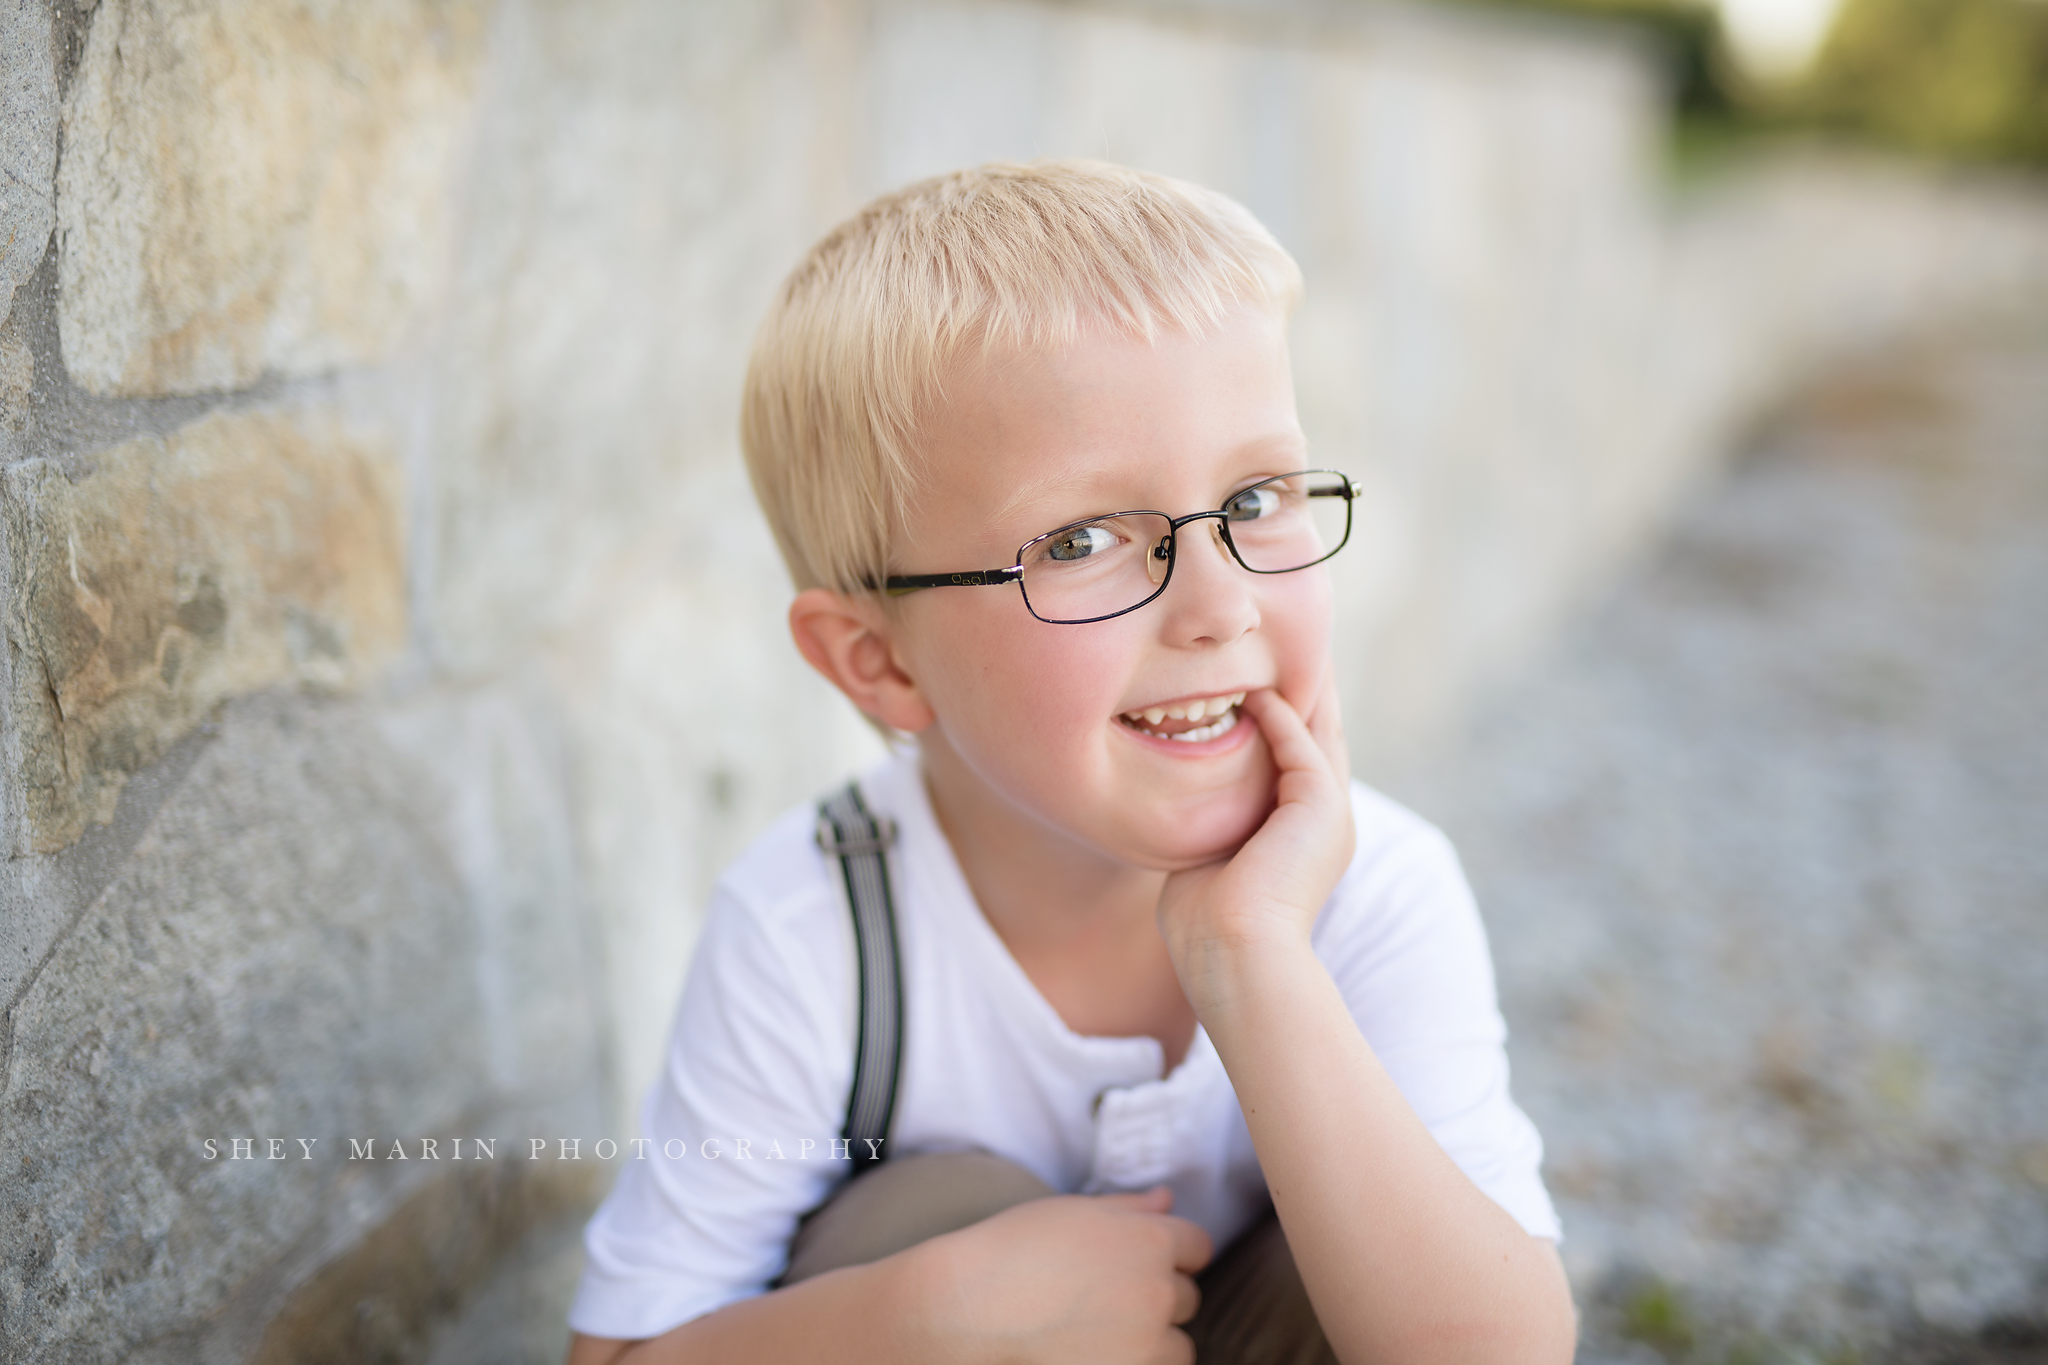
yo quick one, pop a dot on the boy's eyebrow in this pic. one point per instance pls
(1035, 489)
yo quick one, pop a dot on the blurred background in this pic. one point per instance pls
(395, 651)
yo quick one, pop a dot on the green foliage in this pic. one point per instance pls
(1958, 78)
(1657, 1316)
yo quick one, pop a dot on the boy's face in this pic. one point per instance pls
(1042, 716)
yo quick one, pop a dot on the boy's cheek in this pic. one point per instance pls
(1304, 657)
(1024, 672)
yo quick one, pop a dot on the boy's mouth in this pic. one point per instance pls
(1190, 722)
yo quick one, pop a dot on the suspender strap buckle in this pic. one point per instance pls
(840, 843)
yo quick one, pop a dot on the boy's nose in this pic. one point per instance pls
(1214, 536)
(1210, 597)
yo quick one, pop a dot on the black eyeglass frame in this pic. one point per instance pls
(897, 585)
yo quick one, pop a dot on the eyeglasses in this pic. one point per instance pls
(1105, 566)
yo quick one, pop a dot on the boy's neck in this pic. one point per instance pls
(1032, 880)
(1083, 926)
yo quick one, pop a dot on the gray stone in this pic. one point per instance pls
(28, 143)
(521, 1316)
(273, 961)
(254, 185)
(165, 575)
(17, 379)
(479, 1265)
(634, 197)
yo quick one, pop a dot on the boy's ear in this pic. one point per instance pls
(849, 641)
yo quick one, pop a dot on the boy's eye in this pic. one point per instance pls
(1079, 543)
(1252, 504)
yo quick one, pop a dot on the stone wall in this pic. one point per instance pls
(394, 651)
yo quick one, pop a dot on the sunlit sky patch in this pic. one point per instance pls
(1775, 38)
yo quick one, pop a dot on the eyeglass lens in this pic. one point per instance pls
(1093, 569)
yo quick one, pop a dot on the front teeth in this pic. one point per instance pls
(1221, 727)
(1220, 707)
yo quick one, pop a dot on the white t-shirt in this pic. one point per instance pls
(760, 1060)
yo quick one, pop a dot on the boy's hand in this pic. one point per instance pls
(1269, 892)
(1100, 1278)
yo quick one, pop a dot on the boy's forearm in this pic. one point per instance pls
(854, 1315)
(1404, 1258)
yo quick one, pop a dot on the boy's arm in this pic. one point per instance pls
(855, 1315)
(1100, 1278)
(849, 1315)
(1403, 1257)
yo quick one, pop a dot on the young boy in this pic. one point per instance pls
(1161, 961)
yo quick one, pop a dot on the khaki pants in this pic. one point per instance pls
(1254, 1310)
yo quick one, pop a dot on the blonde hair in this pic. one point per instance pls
(1002, 255)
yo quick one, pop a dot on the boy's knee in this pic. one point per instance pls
(901, 1203)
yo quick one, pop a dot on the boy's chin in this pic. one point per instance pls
(1178, 846)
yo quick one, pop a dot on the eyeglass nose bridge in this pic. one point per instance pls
(1159, 564)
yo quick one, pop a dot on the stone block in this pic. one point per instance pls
(636, 191)
(256, 185)
(28, 143)
(482, 1232)
(245, 551)
(17, 380)
(292, 950)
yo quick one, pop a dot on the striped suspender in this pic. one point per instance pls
(861, 841)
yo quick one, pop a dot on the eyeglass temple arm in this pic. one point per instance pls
(898, 585)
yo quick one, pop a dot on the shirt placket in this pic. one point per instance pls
(1134, 1137)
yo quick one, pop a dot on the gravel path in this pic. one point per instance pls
(1764, 854)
